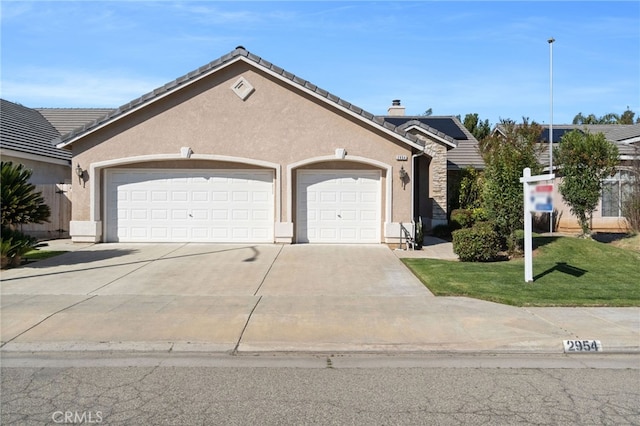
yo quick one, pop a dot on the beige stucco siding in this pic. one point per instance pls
(277, 124)
(43, 172)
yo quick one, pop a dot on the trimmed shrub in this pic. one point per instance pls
(462, 218)
(466, 218)
(479, 243)
(13, 245)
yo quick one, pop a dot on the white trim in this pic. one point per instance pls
(388, 178)
(34, 157)
(263, 69)
(630, 140)
(95, 194)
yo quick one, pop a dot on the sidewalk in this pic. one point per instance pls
(273, 299)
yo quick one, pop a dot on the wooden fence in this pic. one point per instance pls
(58, 198)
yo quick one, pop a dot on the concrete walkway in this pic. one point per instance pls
(272, 298)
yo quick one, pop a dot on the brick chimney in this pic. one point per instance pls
(396, 109)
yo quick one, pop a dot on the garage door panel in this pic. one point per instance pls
(339, 206)
(138, 214)
(159, 196)
(199, 196)
(206, 205)
(368, 215)
(139, 196)
(199, 214)
(155, 214)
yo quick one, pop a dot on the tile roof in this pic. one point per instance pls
(26, 130)
(67, 119)
(622, 135)
(240, 53)
(465, 149)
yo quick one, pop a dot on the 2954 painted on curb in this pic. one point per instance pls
(582, 346)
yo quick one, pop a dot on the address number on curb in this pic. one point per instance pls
(582, 345)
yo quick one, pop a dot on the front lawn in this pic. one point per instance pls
(567, 272)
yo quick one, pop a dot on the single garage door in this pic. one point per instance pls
(336, 206)
(149, 205)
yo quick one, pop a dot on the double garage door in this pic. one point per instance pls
(237, 206)
(148, 205)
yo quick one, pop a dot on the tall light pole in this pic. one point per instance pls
(551, 40)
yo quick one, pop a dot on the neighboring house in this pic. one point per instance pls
(241, 150)
(26, 137)
(608, 215)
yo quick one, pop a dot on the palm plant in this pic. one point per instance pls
(21, 204)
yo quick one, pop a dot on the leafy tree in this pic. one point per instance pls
(478, 128)
(20, 202)
(505, 156)
(627, 117)
(584, 160)
(471, 184)
(611, 118)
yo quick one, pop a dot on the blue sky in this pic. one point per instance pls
(490, 58)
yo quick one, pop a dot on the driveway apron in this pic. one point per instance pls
(270, 298)
(203, 296)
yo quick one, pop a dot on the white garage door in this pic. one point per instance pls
(337, 206)
(149, 205)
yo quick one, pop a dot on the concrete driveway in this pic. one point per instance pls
(261, 298)
(202, 296)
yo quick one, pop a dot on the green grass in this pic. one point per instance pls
(35, 255)
(567, 272)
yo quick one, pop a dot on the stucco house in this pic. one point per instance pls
(608, 216)
(241, 150)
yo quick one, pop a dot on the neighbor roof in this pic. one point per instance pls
(25, 130)
(67, 119)
(465, 146)
(622, 135)
(241, 54)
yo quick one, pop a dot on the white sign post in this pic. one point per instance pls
(537, 198)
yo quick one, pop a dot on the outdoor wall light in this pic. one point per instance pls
(403, 176)
(80, 173)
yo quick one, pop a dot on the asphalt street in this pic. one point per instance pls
(146, 389)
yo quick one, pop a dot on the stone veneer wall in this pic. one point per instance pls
(437, 179)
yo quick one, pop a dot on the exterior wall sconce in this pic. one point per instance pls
(403, 177)
(80, 174)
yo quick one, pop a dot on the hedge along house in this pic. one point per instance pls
(241, 150)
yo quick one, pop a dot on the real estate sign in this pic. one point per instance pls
(537, 198)
(541, 197)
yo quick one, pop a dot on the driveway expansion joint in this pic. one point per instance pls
(45, 319)
(144, 264)
(235, 349)
(266, 274)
